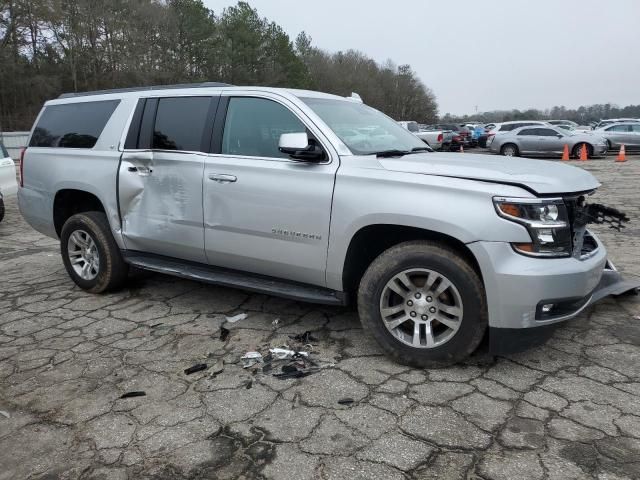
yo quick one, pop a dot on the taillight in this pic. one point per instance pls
(440, 137)
(22, 152)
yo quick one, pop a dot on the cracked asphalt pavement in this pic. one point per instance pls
(567, 410)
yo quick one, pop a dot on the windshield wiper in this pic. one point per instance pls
(401, 153)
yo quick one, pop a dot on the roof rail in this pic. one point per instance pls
(149, 87)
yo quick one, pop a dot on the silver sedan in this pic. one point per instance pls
(618, 134)
(547, 141)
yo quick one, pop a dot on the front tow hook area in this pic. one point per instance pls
(613, 283)
(504, 341)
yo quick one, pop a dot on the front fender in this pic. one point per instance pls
(458, 208)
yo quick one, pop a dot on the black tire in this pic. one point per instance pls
(113, 271)
(578, 147)
(1, 209)
(446, 261)
(515, 148)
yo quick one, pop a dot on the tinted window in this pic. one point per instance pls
(253, 127)
(180, 123)
(73, 125)
(635, 128)
(546, 132)
(528, 131)
(413, 127)
(618, 128)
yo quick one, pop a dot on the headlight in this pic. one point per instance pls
(546, 220)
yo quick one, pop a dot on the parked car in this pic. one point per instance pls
(558, 123)
(8, 183)
(547, 141)
(461, 136)
(433, 138)
(609, 121)
(500, 128)
(618, 134)
(256, 188)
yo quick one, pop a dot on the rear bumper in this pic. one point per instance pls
(37, 209)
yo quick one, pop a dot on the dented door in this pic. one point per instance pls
(160, 197)
(160, 176)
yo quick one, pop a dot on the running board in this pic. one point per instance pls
(234, 279)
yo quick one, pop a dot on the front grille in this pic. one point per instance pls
(578, 218)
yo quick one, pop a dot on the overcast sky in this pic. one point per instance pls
(493, 54)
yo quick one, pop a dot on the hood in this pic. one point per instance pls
(539, 176)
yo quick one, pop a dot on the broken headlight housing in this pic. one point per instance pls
(546, 220)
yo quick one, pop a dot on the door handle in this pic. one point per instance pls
(142, 171)
(222, 178)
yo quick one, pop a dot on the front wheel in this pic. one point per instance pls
(509, 150)
(424, 304)
(578, 149)
(90, 254)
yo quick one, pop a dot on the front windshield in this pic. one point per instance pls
(363, 129)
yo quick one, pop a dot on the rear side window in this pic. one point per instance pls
(528, 131)
(619, 128)
(73, 125)
(180, 123)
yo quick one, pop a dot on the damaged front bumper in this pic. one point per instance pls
(504, 341)
(528, 297)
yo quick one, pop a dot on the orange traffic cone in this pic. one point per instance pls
(583, 153)
(622, 155)
(565, 152)
(461, 149)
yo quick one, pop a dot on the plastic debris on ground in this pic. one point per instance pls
(346, 401)
(275, 323)
(304, 338)
(5, 414)
(224, 334)
(196, 368)
(250, 359)
(217, 368)
(285, 361)
(283, 353)
(236, 318)
(133, 394)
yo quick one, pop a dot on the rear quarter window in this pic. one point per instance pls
(72, 125)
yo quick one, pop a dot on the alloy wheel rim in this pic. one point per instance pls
(421, 308)
(83, 255)
(509, 151)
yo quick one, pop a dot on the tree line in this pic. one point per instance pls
(583, 115)
(48, 47)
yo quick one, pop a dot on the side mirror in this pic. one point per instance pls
(299, 147)
(559, 135)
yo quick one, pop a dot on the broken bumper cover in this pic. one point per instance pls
(504, 341)
(527, 297)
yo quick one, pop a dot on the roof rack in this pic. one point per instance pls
(149, 87)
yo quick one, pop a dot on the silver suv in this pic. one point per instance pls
(318, 198)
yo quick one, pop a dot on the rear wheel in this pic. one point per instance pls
(90, 254)
(424, 303)
(509, 150)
